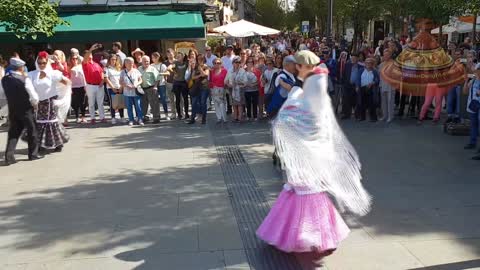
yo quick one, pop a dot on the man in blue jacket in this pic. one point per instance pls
(350, 81)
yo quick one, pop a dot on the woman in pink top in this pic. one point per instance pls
(217, 85)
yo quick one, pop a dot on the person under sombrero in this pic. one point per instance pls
(137, 55)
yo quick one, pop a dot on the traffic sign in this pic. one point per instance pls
(305, 26)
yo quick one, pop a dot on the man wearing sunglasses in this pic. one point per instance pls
(209, 57)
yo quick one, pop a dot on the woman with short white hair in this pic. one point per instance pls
(131, 80)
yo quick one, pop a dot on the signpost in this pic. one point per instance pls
(305, 27)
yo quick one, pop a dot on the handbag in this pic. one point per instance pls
(474, 104)
(118, 102)
(139, 90)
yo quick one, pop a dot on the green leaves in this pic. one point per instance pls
(28, 18)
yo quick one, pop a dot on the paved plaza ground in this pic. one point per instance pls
(157, 198)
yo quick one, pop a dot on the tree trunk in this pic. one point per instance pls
(440, 36)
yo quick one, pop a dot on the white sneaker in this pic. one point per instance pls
(141, 123)
(130, 123)
(114, 121)
(167, 118)
(173, 116)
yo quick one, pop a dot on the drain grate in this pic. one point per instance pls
(249, 205)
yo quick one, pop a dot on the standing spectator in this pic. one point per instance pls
(367, 96)
(94, 87)
(217, 83)
(454, 95)
(209, 57)
(60, 63)
(150, 81)
(112, 79)
(236, 81)
(227, 14)
(280, 93)
(278, 62)
(351, 85)
(227, 62)
(117, 49)
(169, 84)
(137, 55)
(380, 49)
(180, 88)
(130, 79)
(162, 87)
(267, 77)
(473, 89)
(251, 90)
(199, 73)
(243, 59)
(387, 91)
(78, 88)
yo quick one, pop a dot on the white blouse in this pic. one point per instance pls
(77, 76)
(114, 76)
(46, 87)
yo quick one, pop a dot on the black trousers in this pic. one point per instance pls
(78, 101)
(366, 100)
(19, 122)
(348, 100)
(181, 89)
(229, 106)
(251, 102)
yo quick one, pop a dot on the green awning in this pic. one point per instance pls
(123, 25)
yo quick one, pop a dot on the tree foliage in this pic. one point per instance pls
(28, 18)
(270, 14)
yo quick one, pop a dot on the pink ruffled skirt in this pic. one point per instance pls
(303, 223)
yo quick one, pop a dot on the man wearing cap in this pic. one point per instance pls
(306, 62)
(22, 99)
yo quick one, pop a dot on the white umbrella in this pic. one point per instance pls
(464, 27)
(446, 29)
(244, 28)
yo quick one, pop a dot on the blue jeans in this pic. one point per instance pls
(199, 103)
(475, 123)
(131, 102)
(453, 101)
(162, 92)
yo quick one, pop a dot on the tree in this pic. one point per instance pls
(270, 14)
(28, 18)
(471, 7)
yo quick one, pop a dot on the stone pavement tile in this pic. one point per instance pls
(13, 267)
(83, 264)
(236, 260)
(175, 261)
(372, 256)
(437, 252)
(209, 206)
(161, 235)
(219, 234)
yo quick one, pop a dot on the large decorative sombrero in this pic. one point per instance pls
(423, 62)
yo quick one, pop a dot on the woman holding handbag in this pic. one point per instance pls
(112, 79)
(131, 81)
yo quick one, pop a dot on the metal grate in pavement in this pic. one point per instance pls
(249, 205)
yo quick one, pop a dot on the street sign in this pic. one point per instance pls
(305, 26)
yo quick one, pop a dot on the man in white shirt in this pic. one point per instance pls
(228, 58)
(366, 96)
(209, 57)
(227, 14)
(117, 49)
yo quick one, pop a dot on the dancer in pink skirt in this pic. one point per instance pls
(319, 162)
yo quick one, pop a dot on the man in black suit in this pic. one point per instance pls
(22, 99)
(350, 80)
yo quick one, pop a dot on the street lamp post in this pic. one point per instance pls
(330, 21)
